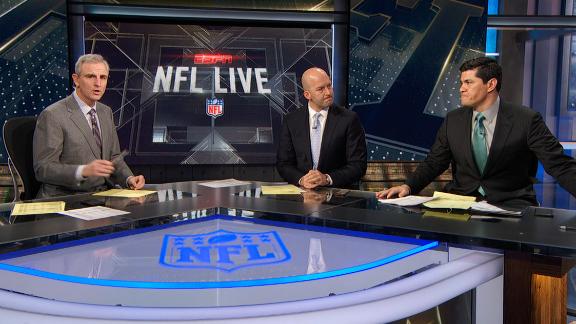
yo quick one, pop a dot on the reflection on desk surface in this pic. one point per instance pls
(88, 200)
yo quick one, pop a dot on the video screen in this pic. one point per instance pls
(404, 69)
(204, 94)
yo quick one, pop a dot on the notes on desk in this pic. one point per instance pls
(450, 201)
(485, 207)
(124, 193)
(92, 213)
(38, 208)
(407, 201)
(451, 216)
(281, 190)
(224, 183)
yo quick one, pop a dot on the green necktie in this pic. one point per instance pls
(479, 146)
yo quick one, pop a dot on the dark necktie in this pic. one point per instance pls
(95, 129)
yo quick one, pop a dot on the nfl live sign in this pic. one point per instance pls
(214, 107)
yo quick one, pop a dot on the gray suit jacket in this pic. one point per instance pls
(63, 140)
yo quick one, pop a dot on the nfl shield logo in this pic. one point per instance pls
(214, 107)
(223, 250)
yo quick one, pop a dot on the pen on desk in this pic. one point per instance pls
(120, 156)
(567, 228)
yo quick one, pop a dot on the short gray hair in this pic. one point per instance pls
(89, 58)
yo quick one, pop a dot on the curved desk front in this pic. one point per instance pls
(190, 252)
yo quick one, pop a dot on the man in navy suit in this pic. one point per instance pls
(321, 144)
(493, 146)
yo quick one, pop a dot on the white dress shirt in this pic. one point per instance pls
(324, 113)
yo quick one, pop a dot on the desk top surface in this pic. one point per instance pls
(354, 210)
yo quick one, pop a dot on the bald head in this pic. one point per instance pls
(317, 88)
(313, 75)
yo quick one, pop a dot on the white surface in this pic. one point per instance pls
(484, 206)
(92, 213)
(384, 303)
(224, 183)
(407, 201)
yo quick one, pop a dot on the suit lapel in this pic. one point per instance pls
(104, 131)
(501, 132)
(305, 122)
(80, 121)
(466, 123)
(329, 127)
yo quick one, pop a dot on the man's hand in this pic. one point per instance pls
(312, 197)
(136, 182)
(98, 168)
(400, 191)
(313, 179)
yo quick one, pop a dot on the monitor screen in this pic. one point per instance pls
(204, 94)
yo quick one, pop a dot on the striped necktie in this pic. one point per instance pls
(95, 130)
(316, 139)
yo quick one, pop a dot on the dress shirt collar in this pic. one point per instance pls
(491, 112)
(83, 106)
(323, 112)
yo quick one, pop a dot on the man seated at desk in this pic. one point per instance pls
(321, 144)
(493, 146)
(75, 146)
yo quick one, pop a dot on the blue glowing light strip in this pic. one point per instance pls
(492, 34)
(224, 284)
(306, 227)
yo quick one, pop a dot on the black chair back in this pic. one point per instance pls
(18, 133)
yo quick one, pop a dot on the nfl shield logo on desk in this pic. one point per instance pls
(214, 107)
(223, 250)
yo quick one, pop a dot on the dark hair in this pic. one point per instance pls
(486, 69)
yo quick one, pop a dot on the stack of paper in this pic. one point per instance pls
(92, 213)
(224, 183)
(450, 201)
(485, 207)
(281, 190)
(38, 208)
(124, 193)
(407, 201)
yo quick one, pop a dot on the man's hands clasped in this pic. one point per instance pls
(313, 179)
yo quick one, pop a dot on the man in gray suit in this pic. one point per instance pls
(76, 147)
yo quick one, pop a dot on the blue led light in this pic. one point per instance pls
(223, 284)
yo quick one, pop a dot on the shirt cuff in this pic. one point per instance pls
(330, 182)
(78, 175)
(127, 183)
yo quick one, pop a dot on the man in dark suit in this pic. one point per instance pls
(75, 146)
(494, 146)
(321, 144)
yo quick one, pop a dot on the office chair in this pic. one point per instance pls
(18, 133)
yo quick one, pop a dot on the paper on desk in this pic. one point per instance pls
(91, 213)
(281, 190)
(451, 216)
(224, 183)
(450, 201)
(407, 201)
(125, 193)
(38, 208)
(484, 206)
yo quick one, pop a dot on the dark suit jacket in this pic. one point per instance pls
(521, 138)
(343, 151)
(63, 140)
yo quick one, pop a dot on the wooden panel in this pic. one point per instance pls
(535, 288)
